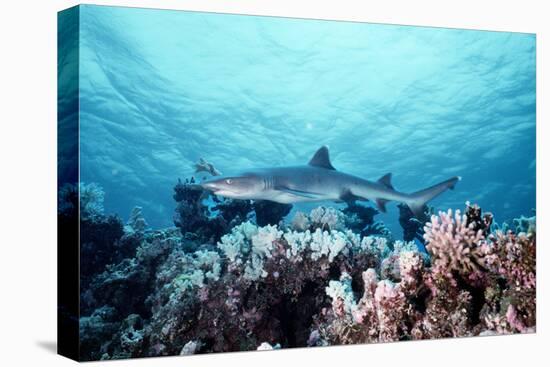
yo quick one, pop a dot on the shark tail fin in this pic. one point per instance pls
(418, 199)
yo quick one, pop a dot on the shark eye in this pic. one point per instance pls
(229, 181)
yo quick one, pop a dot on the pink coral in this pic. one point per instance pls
(410, 268)
(453, 243)
(516, 258)
(390, 303)
(513, 319)
(479, 283)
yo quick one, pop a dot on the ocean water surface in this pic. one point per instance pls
(160, 89)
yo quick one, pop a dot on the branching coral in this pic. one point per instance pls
(88, 198)
(454, 244)
(476, 285)
(518, 225)
(525, 224)
(192, 215)
(413, 227)
(309, 283)
(92, 198)
(343, 299)
(252, 246)
(381, 313)
(137, 222)
(513, 256)
(326, 218)
(357, 217)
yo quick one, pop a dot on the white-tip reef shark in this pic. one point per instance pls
(319, 181)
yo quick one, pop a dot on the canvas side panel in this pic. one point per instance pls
(67, 182)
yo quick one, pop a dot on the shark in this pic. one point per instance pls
(320, 181)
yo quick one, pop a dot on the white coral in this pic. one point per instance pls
(262, 247)
(402, 246)
(262, 241)
(298, 242)
(250, 245)
(326, 243)
(376, 245)
(267, 346)
(197, 278)
(254, 269)
(342, 296)
(234, 243)
(248, 229)
(300, 222)
(187, 281)
(319, 243)
(189, 348)
(327, 218)
(209, 261)
(230, 245)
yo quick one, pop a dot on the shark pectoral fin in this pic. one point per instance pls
(349, 198)
(381, 204)
(386, 181)
(304, 194)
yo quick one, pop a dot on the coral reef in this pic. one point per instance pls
(192, 215)
(240, 283)
(517, 225)
(478, 284)
(268, 212)
(359, 216)
(454, 244)
(137, 222)
(86, 198)
(413, 228)
(196, 219)
(102, 240)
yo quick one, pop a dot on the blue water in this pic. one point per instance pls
(159, 89)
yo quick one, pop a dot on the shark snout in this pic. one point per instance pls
(211, 186)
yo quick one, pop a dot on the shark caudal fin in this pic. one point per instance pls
(418, 199)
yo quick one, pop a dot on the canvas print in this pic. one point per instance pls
(240, 183)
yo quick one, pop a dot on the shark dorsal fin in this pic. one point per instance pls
(321, 159)
(386, 180)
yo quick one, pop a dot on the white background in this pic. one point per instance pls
(28, 182)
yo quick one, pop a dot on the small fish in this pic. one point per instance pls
(203, 166)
